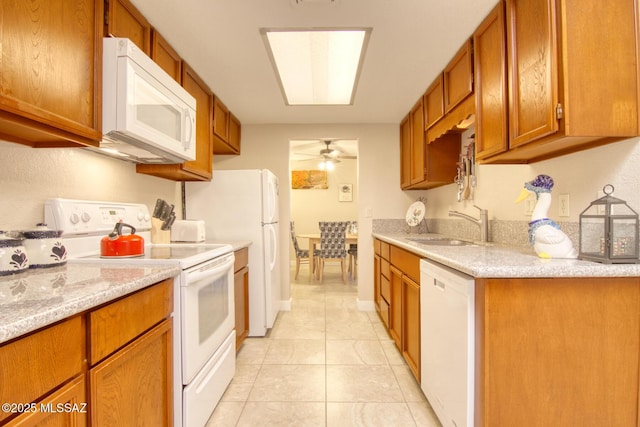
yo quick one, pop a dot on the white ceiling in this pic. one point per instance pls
(411, 42)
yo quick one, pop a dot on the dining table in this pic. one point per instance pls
(314, 239)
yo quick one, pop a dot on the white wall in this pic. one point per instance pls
(29, 176)
(267, 146)
(308, 206)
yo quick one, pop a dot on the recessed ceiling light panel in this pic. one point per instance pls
(317, 66)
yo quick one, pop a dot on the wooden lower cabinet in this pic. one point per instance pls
(397, 298)
(109, 366)
(241, 295)
(135, 383)
(557, 351)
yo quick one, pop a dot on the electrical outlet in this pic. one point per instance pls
(563, 205)
(529, 204)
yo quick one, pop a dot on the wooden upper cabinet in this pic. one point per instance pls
(570, 88)
(51, 72)
(458, 77)
(226, 129)
(124, 20)
(165, 56)
(434, 102)
(200, 169)
(405, 152)
(418, 169)
(492, 109)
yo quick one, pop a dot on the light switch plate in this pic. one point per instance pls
(563, 205)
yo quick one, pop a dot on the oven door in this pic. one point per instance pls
(207, 312)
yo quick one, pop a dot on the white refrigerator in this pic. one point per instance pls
(243, 205)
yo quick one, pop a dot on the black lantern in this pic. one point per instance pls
(609, 231)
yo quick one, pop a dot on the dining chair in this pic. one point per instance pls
(333, 236)
(352, 251)
(302, 255)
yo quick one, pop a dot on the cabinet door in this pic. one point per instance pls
(395, 307)
(411, 324)
(490, 56)
(405, 152)
(241, 295)
(124, 20)
(135, 383)
(50, 72)
(533, 69)
(434, 102)
(376, 282)
(36, 364)
(458, 77)
(203, 164)
(235, 133)
(64, 407)
(418, 169)
(165, 56)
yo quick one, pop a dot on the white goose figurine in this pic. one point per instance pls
(544, 234)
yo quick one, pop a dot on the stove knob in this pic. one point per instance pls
(74, 218)
(140, 215)
(85, 217)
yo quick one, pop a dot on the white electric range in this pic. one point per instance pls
(203, 318)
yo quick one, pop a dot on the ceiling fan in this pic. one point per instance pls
(329, 156)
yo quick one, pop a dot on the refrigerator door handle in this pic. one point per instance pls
(273, 247)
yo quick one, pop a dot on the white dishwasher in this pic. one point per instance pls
(447, 343)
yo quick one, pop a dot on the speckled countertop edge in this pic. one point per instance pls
(34, 299)
(501, 261)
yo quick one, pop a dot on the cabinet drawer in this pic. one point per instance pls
(384, 250)
(385, 288)
(406, 261)
(242, 259)
(72, 396)
(36, 364)
(385, 269)
(376, 246)
(114, 325)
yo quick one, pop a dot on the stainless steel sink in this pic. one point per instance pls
(441, 242)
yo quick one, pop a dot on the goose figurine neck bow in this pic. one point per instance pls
(546, 237)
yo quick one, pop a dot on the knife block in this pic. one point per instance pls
(159, 236)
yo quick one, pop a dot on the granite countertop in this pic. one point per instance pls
(40, 297)
(494, 260)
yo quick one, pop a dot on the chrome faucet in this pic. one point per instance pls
(482, 222)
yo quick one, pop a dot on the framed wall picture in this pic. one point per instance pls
(345, 192)
(309, 180)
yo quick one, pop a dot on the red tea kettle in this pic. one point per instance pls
(115, 244)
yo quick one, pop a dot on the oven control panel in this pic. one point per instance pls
(78, 217)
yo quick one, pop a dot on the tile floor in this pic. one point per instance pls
(324, 363)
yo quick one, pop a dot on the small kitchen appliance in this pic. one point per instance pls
(191, 230)
(204, 314)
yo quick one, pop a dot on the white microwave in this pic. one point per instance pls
(147, 117)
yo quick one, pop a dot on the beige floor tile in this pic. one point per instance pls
(253, 351)
(368, 415)
(324, 363)
(296, 352)
(353, 383)
(355, 352)
(226, 414)
(423, 414)
(283, 414)
(289, 383)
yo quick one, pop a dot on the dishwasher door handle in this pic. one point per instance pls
(439, 284)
